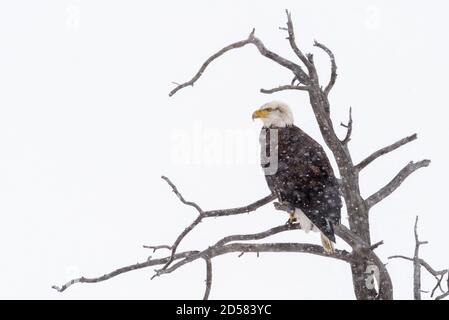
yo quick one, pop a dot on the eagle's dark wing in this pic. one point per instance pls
(305, 178)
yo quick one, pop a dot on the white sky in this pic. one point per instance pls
(87, 129)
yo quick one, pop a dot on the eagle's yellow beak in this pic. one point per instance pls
(259, 114)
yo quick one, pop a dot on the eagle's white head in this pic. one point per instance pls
(274, 114)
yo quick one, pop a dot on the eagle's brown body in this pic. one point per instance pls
(304, 177)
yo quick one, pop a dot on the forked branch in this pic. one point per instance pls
(418, 263)
(223, 246)
(206, 214)
(295, 68)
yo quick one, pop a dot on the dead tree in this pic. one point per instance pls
(362, 259)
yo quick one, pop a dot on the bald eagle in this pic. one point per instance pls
(299, 173)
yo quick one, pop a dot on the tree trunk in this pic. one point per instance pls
(358, 212)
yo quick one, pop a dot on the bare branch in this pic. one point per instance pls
(191, 82)
(438, 285)
(385, 150)
(294, 81)
(295, 68)
(154, 248)
(417, 264)
(259, 235)
(220, 248)
(423, 263)
(208, 278)
(178, 240)
(298, 52)
(364, 252)
(400, 257)
(310, 58)
(396, 182)
(206, 214)
(349, 127)
(432, 271)
(444, 295)
(179, 195)
(282, 88)
(333, 77)
(245, 209)
(198, 219)
(356, 243)
(119, 271)
(260, 247)
(220, 245)
(376, 245)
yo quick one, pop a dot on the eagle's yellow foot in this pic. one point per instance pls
(292, 218)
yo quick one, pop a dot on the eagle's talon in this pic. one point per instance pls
(292, 219)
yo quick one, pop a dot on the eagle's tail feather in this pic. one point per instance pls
(328, 246)
(306, 224)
